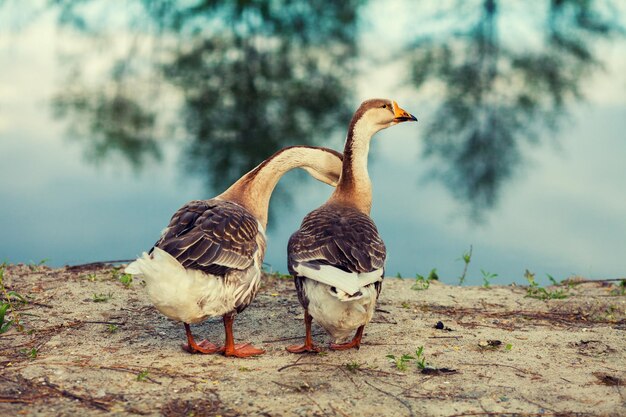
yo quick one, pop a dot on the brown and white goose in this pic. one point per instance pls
(208, 260)
(337, 256)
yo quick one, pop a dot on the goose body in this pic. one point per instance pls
(208, 260)
(337, 256)
(194, 271)
(339, 251)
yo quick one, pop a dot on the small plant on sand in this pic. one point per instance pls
(422, 283)
(102, 298)
(143, 376)
(117, 274)
(353, 366)
(112, 328)
(268, 270)
(90, 277)
(620, 289)
(5, 325)
(30, 353)
(487, 277)
(540, 293)
(7, 305)
(420, 359)
(467, 257)
(126, 280)
(33, 266)
(401, 362)
(609, 312)
(552, 280)
(279, 275)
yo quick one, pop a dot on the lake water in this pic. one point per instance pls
(108, 126)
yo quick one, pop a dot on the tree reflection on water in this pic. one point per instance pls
(254, 77)
(496, 95)
(258, 75)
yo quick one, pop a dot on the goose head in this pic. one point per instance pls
(377, 114)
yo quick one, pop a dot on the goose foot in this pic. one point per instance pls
(204, 347)
(354, 343)
(304, 348)
(308, 345)
(243, 350)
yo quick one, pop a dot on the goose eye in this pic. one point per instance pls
(384, 106)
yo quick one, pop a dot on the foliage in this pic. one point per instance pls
(619, 289)
(102, 298)
(540, 293)
(352, 367)
(33, 266)
(126, 279)
(7, 305)
(487, 277)
(420, 359)
(422, 283)
(143, 376)
(402, 362)
(30, 353)
(5, 325)
(467, 257)
(279, 275)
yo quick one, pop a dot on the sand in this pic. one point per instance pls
(499, 353)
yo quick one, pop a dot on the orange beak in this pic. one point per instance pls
(402, 115)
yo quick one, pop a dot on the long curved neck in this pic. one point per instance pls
(254, 190)
(355, 188)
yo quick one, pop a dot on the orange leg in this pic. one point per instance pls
(354, 343)
(192, 347)
(308, 345)
(230, 348)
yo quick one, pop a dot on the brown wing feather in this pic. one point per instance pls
(212, 236)
(339, 236)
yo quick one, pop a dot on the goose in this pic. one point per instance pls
(337, 256)
(207, 262)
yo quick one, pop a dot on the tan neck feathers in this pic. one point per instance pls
(355, 187)
(253, 190)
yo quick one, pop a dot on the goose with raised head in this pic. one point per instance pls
(208, 260)
(337, 257)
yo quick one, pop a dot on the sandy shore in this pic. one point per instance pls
(91, 344)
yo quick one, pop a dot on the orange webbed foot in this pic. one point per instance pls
(304, 348)
(203, 347)
(345, 346)
(243, 350)
(354, 343)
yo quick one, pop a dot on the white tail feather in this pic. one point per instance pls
(348, 282)
(185, 295)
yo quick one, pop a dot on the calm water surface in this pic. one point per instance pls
(108, 125)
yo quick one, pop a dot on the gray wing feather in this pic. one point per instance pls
(339, 236)
(212, 236)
